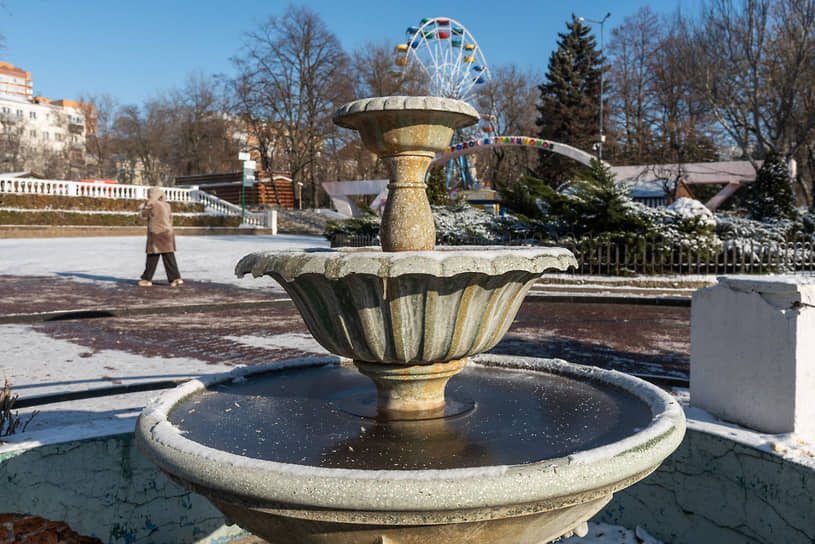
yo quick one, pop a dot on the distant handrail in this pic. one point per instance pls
(53, 187)
(60, 187)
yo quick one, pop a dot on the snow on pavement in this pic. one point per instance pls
(200, 258)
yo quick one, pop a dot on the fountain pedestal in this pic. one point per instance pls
(410, 391)
(406, 132)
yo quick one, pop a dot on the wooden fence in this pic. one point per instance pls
(648, 256)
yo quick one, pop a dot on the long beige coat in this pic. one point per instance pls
(160, 235)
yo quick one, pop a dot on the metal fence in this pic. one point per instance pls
(650, 256)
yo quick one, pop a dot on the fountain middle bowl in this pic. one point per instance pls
(409, 307)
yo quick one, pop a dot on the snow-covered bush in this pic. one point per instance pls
(730, 227)
(367, 225)
(693, 213)
(466, 225)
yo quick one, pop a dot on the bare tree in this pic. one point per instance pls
(374, 71)
(633, 98)
(658, 118)
(200, 134)
(100, 141)
(753, 63)
(292, 75)
(508, 99)
(144, 135)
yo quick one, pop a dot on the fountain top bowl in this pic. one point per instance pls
(459, 113)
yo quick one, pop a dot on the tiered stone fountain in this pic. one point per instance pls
(511, 450)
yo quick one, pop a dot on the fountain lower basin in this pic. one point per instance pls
(283, 451)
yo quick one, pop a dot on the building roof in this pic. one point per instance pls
(691, 172)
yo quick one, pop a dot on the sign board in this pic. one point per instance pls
(243, 156)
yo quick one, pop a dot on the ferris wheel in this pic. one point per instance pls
(445, 56)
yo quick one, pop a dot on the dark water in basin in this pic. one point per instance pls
(301, 416)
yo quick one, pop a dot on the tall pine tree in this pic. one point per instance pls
(569, 110)
(770, 196)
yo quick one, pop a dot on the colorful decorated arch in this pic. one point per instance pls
(477, 144)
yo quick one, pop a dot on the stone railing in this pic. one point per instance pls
(212, 204)
(218, 206)
(90, 189)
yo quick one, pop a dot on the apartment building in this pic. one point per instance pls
(40, 122)
(15, 81)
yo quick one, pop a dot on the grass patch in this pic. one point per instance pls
(10, 422)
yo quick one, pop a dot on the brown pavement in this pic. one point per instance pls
(36, 294)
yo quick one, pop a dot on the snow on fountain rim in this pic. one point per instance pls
(442, 262)
(405, 103)
(582, 472)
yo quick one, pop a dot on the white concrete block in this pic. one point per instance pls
(753, 353)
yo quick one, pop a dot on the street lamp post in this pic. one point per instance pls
(602, 80)
(247, 180)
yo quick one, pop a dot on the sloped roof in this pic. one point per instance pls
(691, 172)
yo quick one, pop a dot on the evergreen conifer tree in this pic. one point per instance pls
(770, 196)
(437, 187)
(570, 100)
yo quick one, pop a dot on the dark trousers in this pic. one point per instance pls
(170, 266)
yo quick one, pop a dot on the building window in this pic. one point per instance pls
(32, 114)
(6, 109)
(45, 136)
(19, 113)
(33, 133)
(58, 136)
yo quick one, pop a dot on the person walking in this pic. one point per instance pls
(160, 238)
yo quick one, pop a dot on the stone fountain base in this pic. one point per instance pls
(544, 448)
(427, 527)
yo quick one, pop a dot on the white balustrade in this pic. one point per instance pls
(212, 204)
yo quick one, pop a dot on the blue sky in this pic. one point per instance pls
(134, 50)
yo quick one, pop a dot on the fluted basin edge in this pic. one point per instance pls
(416, 307)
